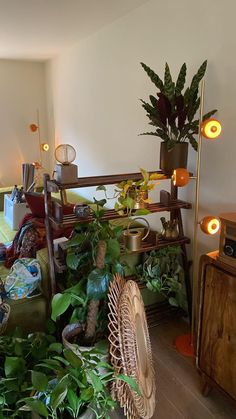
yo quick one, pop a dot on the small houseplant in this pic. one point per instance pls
(133, 195)
(173, 114)
(162, 272)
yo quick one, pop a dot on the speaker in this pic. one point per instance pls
(227, 248)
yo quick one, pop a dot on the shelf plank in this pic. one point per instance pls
(84, 182)
(160, 244)
(70, 220)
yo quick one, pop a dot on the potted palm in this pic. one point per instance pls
(173, 114)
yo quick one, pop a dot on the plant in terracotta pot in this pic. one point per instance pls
(93, 257)
(172, 111)
(132, 195)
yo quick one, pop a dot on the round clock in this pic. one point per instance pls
(65, 154)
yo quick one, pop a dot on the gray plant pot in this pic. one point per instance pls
(176, 158)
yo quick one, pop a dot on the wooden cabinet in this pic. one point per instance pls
(216, 340)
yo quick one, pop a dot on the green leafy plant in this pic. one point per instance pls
(162, 272)
(38, 375)
(17, 358)
(93, 256)
(66, 384)
(127, 193)
(172, 111)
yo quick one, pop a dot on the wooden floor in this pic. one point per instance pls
(178, 384)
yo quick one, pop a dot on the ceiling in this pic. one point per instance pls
(40, 29)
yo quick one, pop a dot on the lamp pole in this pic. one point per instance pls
(196, 214)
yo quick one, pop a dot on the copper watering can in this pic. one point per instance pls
(133, 238)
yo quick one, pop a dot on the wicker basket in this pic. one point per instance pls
(7, 309)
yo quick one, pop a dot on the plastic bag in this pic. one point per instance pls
(23, 279)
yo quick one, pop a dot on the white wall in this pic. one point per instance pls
(95, 88)
(22, 92)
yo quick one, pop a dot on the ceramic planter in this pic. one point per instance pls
(175, 158)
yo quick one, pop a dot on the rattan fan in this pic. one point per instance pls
(130, 349)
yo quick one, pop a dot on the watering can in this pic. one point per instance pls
(133, 238)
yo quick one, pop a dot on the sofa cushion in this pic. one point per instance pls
(36, 204)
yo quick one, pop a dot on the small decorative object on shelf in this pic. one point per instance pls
(170, 229)
(133, 238)
(65, 171)
(81, 210)
(172, 113)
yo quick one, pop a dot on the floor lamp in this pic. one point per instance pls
(210, 129)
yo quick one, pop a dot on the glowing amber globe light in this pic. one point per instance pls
(211, 129)
(210, 225)
(180, 177)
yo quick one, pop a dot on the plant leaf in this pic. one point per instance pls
(55, 347)
(72, 260)
(209, 114)
(181, 80)
(96, 381)
(169, 86)
(197, 78)
(153, 76)
(113, 248)
(87, 394)
(38, 407)
(60, 304)
(72, 358)
(129, 380)
(39, 380)
(58, 394)
(98, 283)
(193, 142)
(13, 366)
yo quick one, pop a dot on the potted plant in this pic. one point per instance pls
(93, 256)
(172, 112)
(132, 195)
(162, 272)
(40, 379)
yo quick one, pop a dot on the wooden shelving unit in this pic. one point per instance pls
(169, 202)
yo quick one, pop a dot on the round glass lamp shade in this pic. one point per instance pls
(180, 177)
(65, 154)
(211, 129)
(210, 225)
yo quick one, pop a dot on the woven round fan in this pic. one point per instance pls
(130, 349)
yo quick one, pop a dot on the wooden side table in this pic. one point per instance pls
(216, 331)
